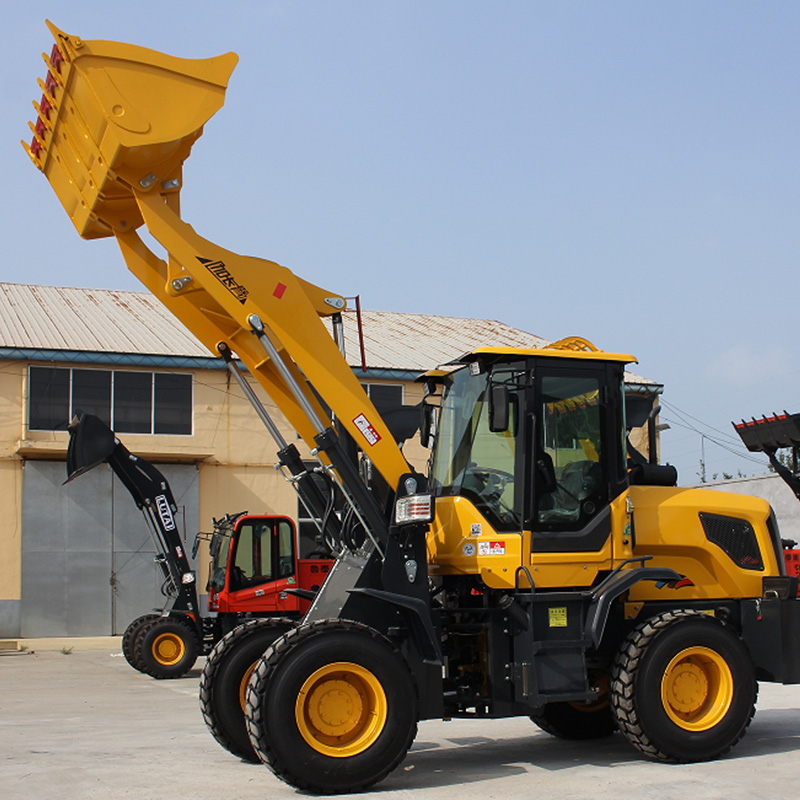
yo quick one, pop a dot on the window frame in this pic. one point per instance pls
(111, 417)
(368, 387)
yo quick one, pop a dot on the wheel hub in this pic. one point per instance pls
(168, 649)
(697, 689)
(335, 707)
(688, 688)
(341, 709)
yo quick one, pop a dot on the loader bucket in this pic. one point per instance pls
(116, 118)
(770, 433)
(91, 442)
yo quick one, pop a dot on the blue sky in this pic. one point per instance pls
(623, 171)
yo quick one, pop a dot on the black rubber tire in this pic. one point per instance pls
(636, 687)
(572, 721)
(173, 661)
(275, 687)
(227, 666)
(130, 636)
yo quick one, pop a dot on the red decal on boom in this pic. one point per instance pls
(370, 434)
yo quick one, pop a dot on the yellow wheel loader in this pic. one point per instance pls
(536, 571)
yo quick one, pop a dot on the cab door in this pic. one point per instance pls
(578, 467)
(263, 566)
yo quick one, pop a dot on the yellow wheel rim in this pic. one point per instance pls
(243, 685)
(697, 689)
(341, 709)
(168, 649)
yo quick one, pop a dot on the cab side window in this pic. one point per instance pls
(264, 552)
(570, 473)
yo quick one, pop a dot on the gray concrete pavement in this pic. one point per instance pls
(84, 725)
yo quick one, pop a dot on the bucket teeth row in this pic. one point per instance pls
(51, 86)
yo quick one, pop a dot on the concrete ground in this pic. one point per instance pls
(79, 724)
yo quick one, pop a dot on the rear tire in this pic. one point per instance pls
(223, 684)
(683, 687)
(131, 635)
(167, 648)
(332, 707)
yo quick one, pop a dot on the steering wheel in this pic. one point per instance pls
(490, 483)
(495, 480)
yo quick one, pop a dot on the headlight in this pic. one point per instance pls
(414, 508)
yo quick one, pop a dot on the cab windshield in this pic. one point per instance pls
(468, 459)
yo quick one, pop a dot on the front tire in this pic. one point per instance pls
(683, 687)
(131, 636)
(167, 648)
(223, 684)
(332, 707)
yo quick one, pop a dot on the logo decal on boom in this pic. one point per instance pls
(223, 275)
(165, 512)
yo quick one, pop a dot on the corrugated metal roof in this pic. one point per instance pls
(91, 320)
(108, 321)
(57, 318)
(421, 341)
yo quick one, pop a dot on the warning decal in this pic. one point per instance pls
(370, 434)
(557, 616)
(491, 548)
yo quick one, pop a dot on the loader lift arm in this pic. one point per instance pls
(91, 443)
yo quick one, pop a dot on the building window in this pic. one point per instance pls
(384, 396)
(172, 408)
(48, 399)
(133, 402)
(127, 401)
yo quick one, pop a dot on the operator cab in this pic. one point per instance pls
(260, 549)
(535, 440)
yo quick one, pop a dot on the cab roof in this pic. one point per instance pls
(571, 347)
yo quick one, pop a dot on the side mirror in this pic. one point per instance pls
(498, 407)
